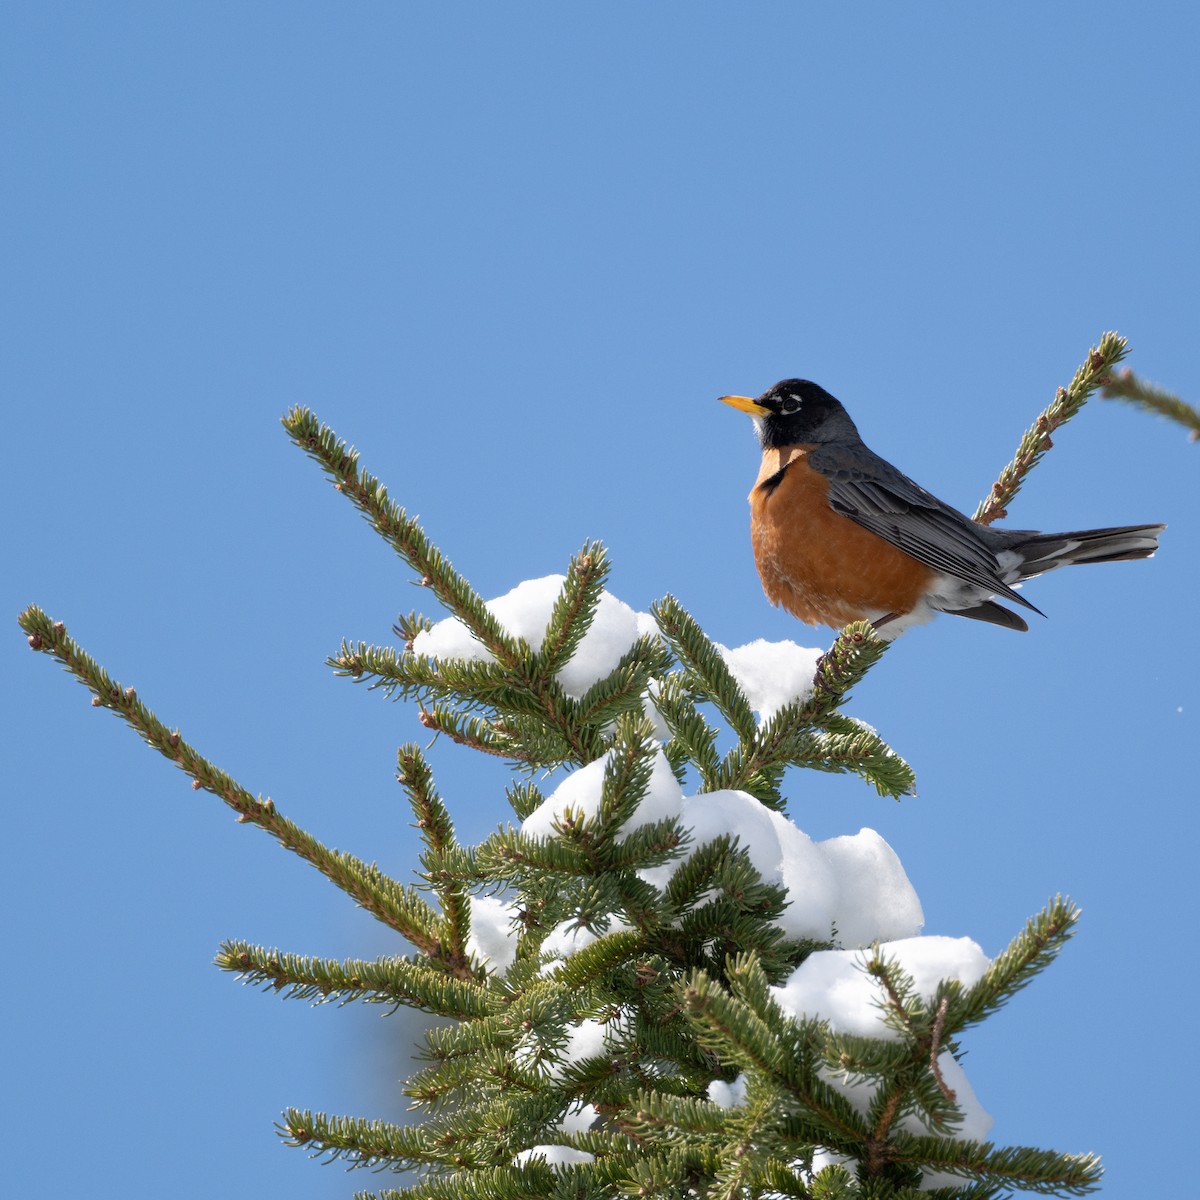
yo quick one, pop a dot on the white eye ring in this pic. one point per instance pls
(790, 403)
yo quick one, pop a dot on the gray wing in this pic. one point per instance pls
(873, 494)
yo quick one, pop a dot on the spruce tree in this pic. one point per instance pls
(635, 1002)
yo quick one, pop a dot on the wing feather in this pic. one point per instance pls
(873, 494)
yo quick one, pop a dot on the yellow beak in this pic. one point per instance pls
(746, 405)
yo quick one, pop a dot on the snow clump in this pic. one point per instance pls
(525, 613)
(854, 885)
(555, 1156)
(581, 792)
(833, 985)
(728, 1095)
(493, 936)
(772, 674)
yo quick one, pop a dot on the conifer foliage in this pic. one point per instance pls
(627, 991)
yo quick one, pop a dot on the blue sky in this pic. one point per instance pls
(514, 254)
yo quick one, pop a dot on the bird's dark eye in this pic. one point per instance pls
(790, 404)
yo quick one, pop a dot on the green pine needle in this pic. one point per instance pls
(395, 981)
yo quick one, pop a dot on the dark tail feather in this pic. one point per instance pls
(993, 614)
(1042, 552)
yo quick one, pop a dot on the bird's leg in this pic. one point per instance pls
(877, 625)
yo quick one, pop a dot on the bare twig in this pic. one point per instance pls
(1093, 374)
(935, 1040)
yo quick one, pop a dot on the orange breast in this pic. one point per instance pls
(821, 566)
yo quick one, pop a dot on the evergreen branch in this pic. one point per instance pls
(752, 1125)
(705, 663)
(509, 854)
(402, 532)
(444, 1084)
(528, 715)
(437, 831)
(624, 689)
(724, 926)
(688, 1115)
(433, 818)
(385, 981)
(728, 1026)
(455, 865)
(408, 625)
(494, 737)
(750, 984)
(553, 743)
(817, 1112)
(535, 1179)
(756, 765)
(696, 875)
(1125, 385)
(665, 1037)
(497, 1032)
(627, 771)
(741, 898)
(472, 682)
(717, 924)
(689, 730)
(869, 1057)
(674, 1175)
(525, 798)
(1089, 378)
(649, 845)
(537, 722)
(360, 1142)
(718, 905)
(575, 608)
(908, 1067)
(1042, 1171)
(396, 906)
(578, 848)
(844, 746)
(844, 665)
(780, 1180)
(607, 954)
(476, 733)
(904, 1009)
(677, 758)
(1029, 953)
(491, 1134)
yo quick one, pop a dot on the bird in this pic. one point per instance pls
(841, 535)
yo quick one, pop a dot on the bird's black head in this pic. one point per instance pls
(794, 412)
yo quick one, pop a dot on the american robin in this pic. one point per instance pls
(840, 535)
